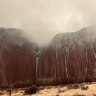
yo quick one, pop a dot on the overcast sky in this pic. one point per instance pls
(42, 19)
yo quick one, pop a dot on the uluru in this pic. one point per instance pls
(70, 56)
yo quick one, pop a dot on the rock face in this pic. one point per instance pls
(70, 55)
(17, 57)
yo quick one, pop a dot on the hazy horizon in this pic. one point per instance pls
(42, 19)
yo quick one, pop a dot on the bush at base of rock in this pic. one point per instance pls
(73, 86)
(31, 90)
(84, 87)
(22, 84)
(4, 87)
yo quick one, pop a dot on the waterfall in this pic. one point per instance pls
(95, 62)
(87, 62)
(66, 63)
(2, 69)
(37, 59)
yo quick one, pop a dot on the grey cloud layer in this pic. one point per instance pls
(42, 19)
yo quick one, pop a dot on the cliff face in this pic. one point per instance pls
(70, 55)
(17, 57)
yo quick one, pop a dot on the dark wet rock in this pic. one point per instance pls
(70, 56)
(17, 57)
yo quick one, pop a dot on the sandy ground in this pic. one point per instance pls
(57, 91)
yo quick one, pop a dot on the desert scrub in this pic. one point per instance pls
(31, 90)
(22, 84)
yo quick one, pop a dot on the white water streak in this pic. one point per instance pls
(87, 62)
(93, 50)
(3, 68)
(37, 59)
(66, 62)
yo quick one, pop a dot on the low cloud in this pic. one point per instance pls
(42, 19)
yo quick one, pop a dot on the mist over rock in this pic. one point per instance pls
(17, 57)
(70, 55)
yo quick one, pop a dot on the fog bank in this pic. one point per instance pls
(42, 19)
